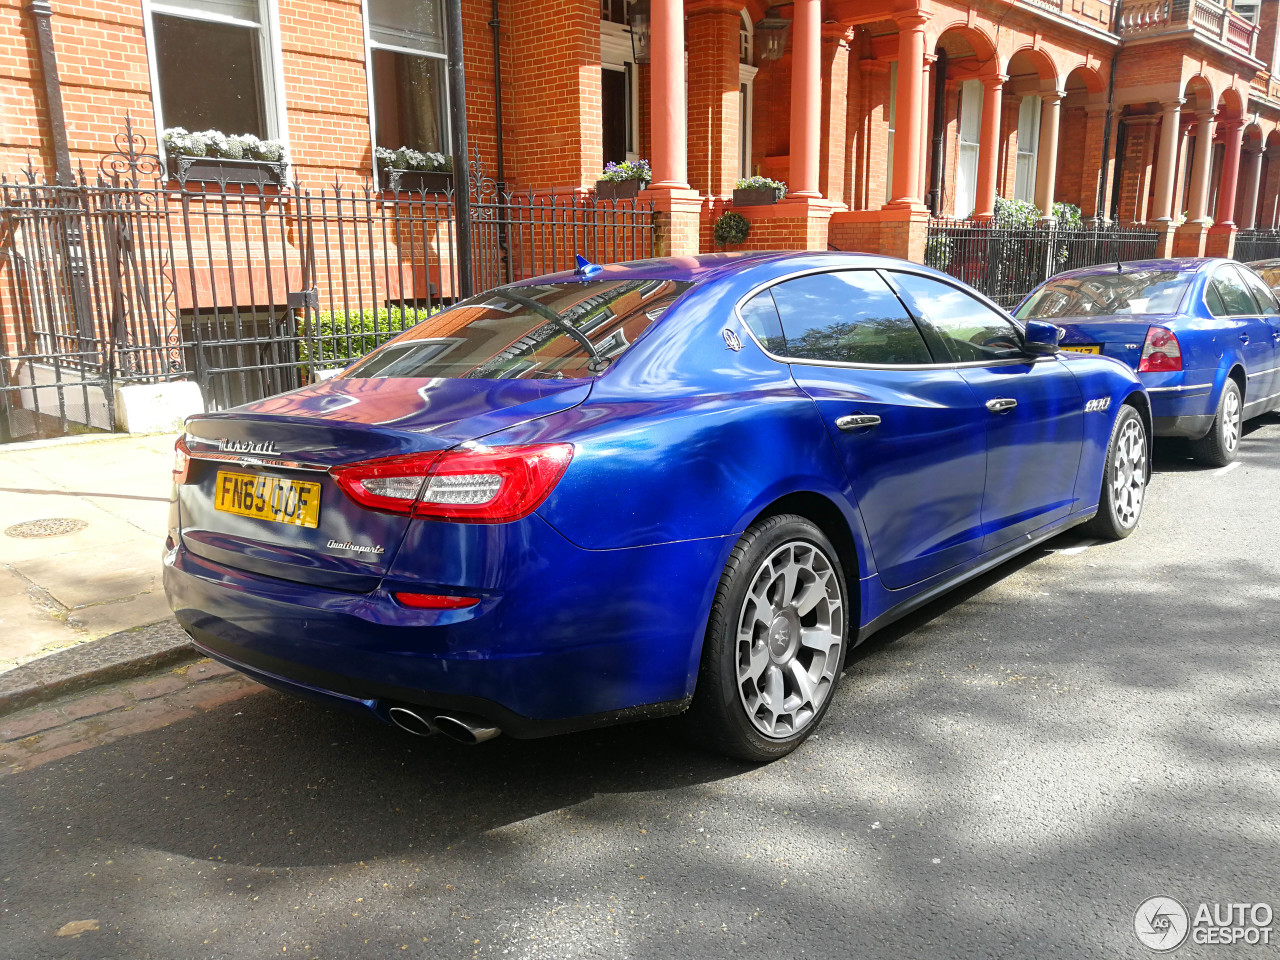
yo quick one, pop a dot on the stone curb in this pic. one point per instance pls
(119, 656)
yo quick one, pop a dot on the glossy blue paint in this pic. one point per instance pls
(1245, 347)
(597, 603)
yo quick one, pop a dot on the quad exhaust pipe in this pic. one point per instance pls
(464, 729)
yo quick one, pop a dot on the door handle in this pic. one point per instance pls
(858, 421)
(1244, 338)
(1001, 404)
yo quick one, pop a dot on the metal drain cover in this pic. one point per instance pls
(52, 527)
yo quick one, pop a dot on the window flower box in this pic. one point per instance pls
(218, 170)
(618, 189)
(758, 192)
(396, 180)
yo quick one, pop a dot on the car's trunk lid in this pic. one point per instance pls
(241, 456)
(1121, 337)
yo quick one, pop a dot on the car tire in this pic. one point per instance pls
(1124, 478)
(1221, 444)
(775, 642)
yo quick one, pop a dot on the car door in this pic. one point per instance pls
(1264, 385)
(1247, 333)
(903, 426)
(1033, 408)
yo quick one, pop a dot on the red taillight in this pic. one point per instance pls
(181, 461)
(1161, 353)
(469, 485)
(435, 601)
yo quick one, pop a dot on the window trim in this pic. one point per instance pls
(884, 273)
(275, 108)
(366, 23)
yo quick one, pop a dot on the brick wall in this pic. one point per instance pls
(713, 101)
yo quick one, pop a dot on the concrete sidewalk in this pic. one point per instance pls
(64, 590)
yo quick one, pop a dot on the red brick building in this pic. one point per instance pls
(875, 112)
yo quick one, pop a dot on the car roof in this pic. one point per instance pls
(705, 267)
(1178, 264)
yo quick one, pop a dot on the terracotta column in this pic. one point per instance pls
(1224, 215)
(1180, 174)
(1252, 184)
(1167, 161)
(713, 154)
(1047, 167)
(806, 97)
(833, 164)
(989, 146)
(1198, 203)
(670, 157)
(910, 103)
(926, 115)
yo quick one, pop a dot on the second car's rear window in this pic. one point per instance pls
(551, 330)
(1109, 294)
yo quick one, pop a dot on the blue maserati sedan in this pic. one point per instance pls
(631, 491)
(1204, 335)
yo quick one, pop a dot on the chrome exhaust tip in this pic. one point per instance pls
(466, 730)
(411, 722)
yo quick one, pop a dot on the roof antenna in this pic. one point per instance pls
(586, 268)
(1119, 267)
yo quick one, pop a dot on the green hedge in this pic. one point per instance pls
(345, 335)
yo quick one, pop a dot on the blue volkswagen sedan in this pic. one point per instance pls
(638, 490)
(1204, 335)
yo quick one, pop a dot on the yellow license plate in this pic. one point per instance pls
(269, 498)
(1076, 349)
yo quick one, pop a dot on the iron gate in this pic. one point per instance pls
(248, 288)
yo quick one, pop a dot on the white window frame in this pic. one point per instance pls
(275, 109)
(746, 95)
(969, 134)
(1027, 158)
(369, 46)
(617, 54)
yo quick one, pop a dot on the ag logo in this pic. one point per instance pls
(731, 340)
(1161, 924)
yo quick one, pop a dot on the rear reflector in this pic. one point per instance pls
(1161, 353)
(435, 601)
(181, 461)
(468, 485)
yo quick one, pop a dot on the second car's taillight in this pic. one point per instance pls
(1161, 353)
(474, 484)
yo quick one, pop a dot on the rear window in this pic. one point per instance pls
(1109, 295)
(547, 331)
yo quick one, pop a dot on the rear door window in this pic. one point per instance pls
(849, 316)
(969, 330)
(1227, 295)
(542, 331)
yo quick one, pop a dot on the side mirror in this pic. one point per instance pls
(1041, 339)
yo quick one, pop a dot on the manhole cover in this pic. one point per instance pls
(53, 527)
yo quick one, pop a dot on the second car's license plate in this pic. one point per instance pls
(269, 498)
(1081, 347)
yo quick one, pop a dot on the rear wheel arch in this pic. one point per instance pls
(827, 517)
(1142, 403)
(1237, 374)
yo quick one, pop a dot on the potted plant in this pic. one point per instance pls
(406, 169)
(758, 191)
(213, 156)
(623, 181)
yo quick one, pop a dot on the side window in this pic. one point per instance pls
(851, 316)
(970, 330)
(1261, 292)
(1233, 295)
(760, 314)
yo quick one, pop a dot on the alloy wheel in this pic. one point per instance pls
(1129, 473)
(789, 639)
(1231, 421)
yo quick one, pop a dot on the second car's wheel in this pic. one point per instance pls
(1220, 445)
(775, 641)
(1124, 478)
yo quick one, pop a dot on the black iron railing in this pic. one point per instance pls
(1254, 245)
(1007, 263)
(249, 289)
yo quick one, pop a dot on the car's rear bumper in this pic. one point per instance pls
(573, 638)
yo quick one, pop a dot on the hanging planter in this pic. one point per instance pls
(418, 181)
(214, 157)
(219, 170)
(758, 192)
(618, 189)
(623, 181)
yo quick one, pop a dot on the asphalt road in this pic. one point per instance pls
(1008, 774)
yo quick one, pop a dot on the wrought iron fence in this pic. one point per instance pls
(249, 289)
(1253, 245)
(1007, 263)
